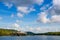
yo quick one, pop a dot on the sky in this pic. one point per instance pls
(30, 15)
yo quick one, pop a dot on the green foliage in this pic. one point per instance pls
(53, 33)
(10, 32)
(6, 32)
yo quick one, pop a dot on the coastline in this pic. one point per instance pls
(10, 32)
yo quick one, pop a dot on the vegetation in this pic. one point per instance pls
(53, 33)
(10, 32)
(6, 32)
(49, 33)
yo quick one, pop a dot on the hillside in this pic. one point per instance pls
(53, 33)
(10, 32)
(7, 32)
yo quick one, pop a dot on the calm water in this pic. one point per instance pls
(29, 37)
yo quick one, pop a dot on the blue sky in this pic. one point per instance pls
(30, 15)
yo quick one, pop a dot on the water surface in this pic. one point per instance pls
(29, 37)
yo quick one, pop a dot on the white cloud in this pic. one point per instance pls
(47, 29)
(42, 17)
(31, 29)
(35, 29)
(22, 10)
(18, 21)
(55, 13)
(44, 8)
(12, 15)
(39, 2)
(56, 7)
(16, 25)
(38, 28)
(9, 5)
(56, 2)
(55, 18)
(32, 9)
(20, 14)
(23, 3)
(28, 28)
(41, 29)
(25, 9)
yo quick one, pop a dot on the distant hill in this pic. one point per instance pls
(30, 33)
(11, 32)
(7, 32)
(52, 33)
(49, 33)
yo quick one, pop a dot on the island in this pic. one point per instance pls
(11, 32)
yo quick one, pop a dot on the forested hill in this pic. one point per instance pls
(7, 32)
(11, 32)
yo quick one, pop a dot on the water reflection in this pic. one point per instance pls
(29, 37)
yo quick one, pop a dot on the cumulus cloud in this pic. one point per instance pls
(25, 9)
(41, 29)
(16, 26)
(22, 5)
(55, 18)
(54, 11)
(9, 5)
(23, 2)
(38, 29)
(56, 7)
(49, 29)
(42, 17)
(22, 10)
(12, 15)
(19, 21)
(29, 28)
(39, 2)
(55, 2)
(20, 14)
